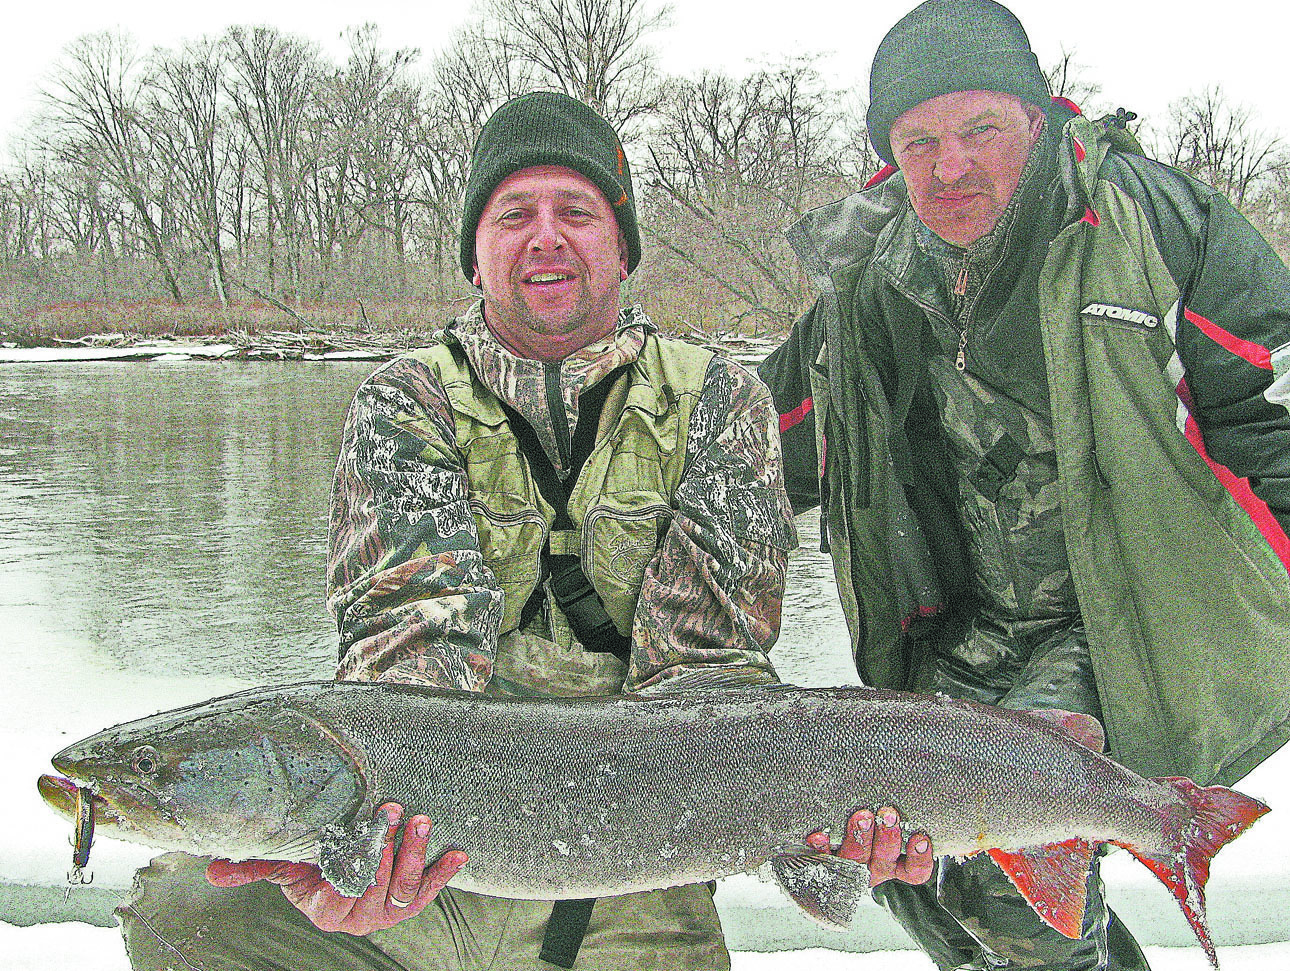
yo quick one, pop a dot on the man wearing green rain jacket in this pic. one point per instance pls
(1042, 402)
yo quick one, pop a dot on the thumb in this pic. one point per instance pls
(224, 873)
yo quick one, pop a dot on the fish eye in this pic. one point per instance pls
(145, 760)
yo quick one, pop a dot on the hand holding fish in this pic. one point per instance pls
(405, 885)
(879, 847)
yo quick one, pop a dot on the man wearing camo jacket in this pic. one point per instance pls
(549, 500)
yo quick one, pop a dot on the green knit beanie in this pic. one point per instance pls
(943, 46)
(548, 128)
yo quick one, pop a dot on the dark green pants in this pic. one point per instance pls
(969, 916)
(178, 921)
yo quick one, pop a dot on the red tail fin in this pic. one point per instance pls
(1219, 815)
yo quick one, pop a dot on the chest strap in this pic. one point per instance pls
(565, 930)
(573, 592)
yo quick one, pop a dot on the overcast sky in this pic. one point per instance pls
(1144, 54)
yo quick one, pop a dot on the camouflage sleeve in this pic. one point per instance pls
(412, 598)
(710, 605)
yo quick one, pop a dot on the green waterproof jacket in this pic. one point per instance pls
(1161, 314)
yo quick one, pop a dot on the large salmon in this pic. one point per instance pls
(568, 798)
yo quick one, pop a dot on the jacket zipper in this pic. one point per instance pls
(960, 290)
(559, 417)
(960, 285)
(965, 322)
(928, 308)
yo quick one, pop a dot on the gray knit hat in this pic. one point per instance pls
(943, 46)
(548, 128)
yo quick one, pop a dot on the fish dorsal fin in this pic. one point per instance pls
(1085, 729)
(827, 888)
(1053, 880)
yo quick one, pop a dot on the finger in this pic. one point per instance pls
(225, 873)
(409, 865)
(393, 815)
(374, 898)
(887, 845)
(820, 842)
(857, 844)
(438, 875)
(918, 863)
(330, 910)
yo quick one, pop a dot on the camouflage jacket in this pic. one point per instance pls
(413, 598)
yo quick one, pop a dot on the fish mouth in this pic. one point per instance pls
(60, 794)
(117, 809)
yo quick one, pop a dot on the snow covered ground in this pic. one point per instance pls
(161, 351)
(89, 948)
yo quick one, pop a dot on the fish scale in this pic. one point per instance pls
(583, 797)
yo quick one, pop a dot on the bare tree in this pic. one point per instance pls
(592, 50)
(470, 79)
(373, 109)
(731, 162)
(189, 130)
(97, 103)
(25, 225)
(273, 79)
(1219, 144)
(1066, 79)
(1272, 214)
(81, 211)
(857, 159)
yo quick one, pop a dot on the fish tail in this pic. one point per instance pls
(1218, 816)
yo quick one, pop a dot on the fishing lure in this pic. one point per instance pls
(77, 875)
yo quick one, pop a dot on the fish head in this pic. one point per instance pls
(236, 780)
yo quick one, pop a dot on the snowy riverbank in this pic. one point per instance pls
(90, 948)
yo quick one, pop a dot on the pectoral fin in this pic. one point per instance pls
(1053, 879)
(349, 858)
(827, 888)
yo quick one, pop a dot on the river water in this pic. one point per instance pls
(166, 522)
(162, 540)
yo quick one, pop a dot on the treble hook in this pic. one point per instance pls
(77, 876)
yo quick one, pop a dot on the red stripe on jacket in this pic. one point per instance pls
(1259, 356)
(884, 173)
(796, 416)
(1239, 488)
